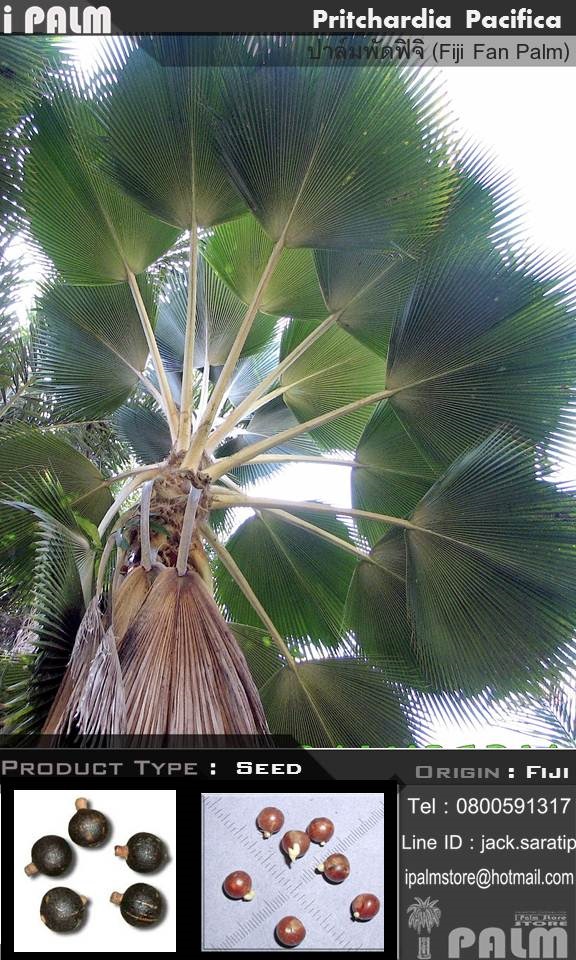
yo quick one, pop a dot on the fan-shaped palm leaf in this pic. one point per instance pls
(260, 651)
(239, 252)
(17, 358)
(23, 67)
(334, 371)
(267, 421)
(92, 350)
(488, 544)
(143, 427)
(159, 142)
(90, 229)
(26, 450)
(390, 474)
(340, 175)
(282, 563)
(28, 456)
(366, 291)
(481, 342)
(219, 313)
(329, 703)
(376, 605)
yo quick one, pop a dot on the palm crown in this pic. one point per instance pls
(253, 262)
(424, 915)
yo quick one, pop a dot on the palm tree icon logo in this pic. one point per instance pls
(424, 915)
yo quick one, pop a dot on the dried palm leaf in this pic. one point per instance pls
(130, 596)
(87, 642)
(102, 706)
(183, 670)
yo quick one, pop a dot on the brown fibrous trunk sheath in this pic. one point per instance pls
(179, 668)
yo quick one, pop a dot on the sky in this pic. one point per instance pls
(522, 115)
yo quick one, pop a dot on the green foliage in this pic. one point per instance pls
(459, 589)
(548, 715)
(14, 678)
(23, 68)
(159, 134)
(46, 487)
(219, 313)
(90, 230)
(317, 156)
(482, 342)
(489, 544)
(391, 473)
(22, 65)
(282, 561)
(27, 451)
(367, 290)
(376, 604)
(239, 251)
(91, 348)
(266, 422)
(16, 345)
(143, 428)
(318, 703)
(334, 371)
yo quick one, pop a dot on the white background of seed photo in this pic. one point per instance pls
(232, 841)
(95, 874)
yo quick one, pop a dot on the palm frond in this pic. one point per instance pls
(337, 369)
(219, 313)
(91, 348)
(159, 144)
(317, 156)
(491, 544)
(485, 339)
(390, 474)
(303, 588)
(143, 427)
(43, 478)
(88, 228)
(549, 714)
(239, 250)
(329, 703)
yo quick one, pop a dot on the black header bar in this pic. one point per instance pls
(442, 18)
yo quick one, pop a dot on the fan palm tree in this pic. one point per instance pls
(254, 262)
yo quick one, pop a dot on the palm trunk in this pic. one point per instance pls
(182, 668)
(177, 667)
(424, 948)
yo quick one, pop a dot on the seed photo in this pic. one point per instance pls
(286, 892)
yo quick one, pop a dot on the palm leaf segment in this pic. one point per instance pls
(343, 294)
